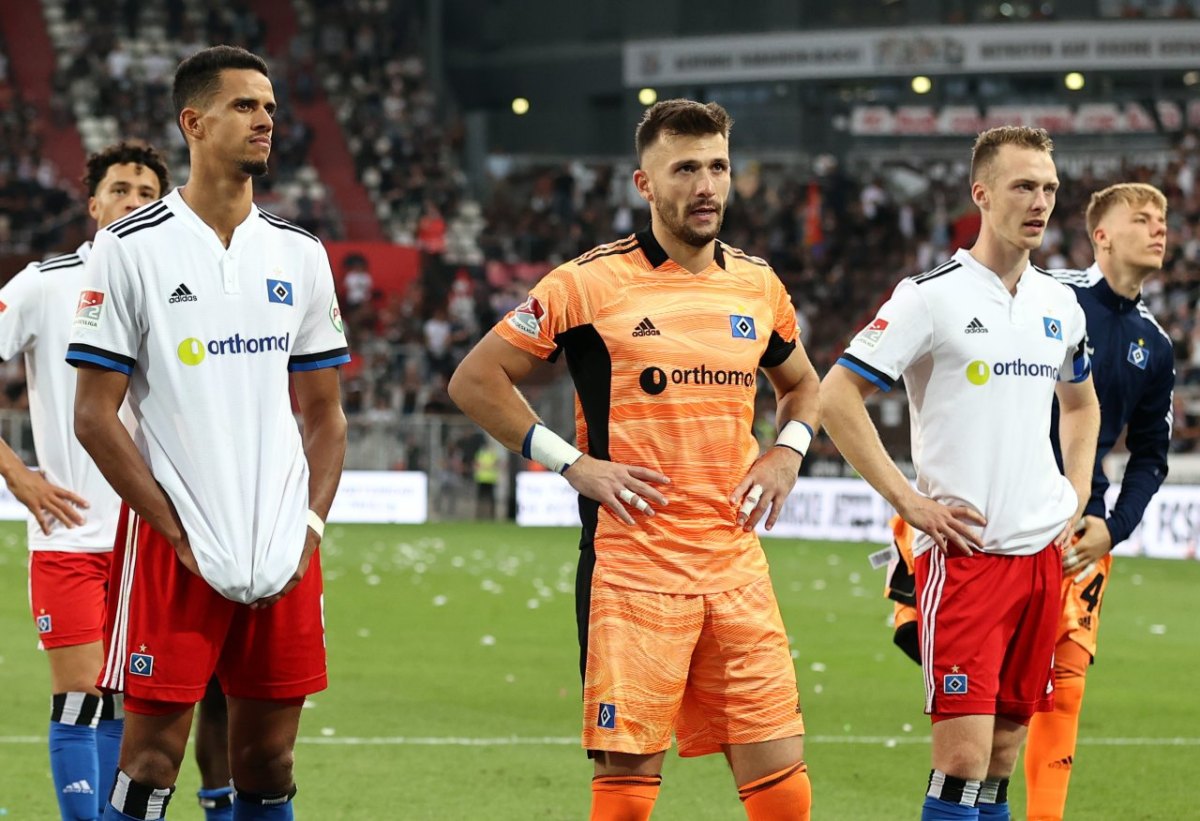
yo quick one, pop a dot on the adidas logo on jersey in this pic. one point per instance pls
(975, 327)
(646, 328)
(182, 294)
(81, 787)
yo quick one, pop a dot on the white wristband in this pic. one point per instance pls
(316, 524)
(547, 448)
(795, 435)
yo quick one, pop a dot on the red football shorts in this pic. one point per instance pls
(66, 596)
(988, 626)
(168, 630)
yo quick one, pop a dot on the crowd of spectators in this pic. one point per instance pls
(404, 140)
(115, 75)
(838, 236)
(35, 205)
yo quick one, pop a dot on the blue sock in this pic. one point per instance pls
(993, 800)
(950, 797)
(73, 760)
(108, 747)
(263, 807)
(935, 809)
(111, 814)
(217, 803)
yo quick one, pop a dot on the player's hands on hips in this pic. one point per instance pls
(620, 488)
(311, 542)
(948, 526)
(766, 486)
(46, 501)
(1090, 543)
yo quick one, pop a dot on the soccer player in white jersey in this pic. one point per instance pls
(984, 342)
(72, 510)
(199, 307)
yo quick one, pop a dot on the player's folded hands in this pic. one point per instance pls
(622, 489)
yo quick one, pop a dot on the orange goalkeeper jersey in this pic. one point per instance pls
(665, 368)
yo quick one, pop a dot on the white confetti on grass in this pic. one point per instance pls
(855, 578)
(818, 584)
(817, 667)
(1158, 629)
(1136, 579)
(533, 604)
(907, 728)
(373, 580)
(439, 601)
(818, 689)
(488, 641)
(363, 633)
(328, 731)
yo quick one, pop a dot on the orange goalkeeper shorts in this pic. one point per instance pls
(714, 669)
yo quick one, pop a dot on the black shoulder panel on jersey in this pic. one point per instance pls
(130, 230)
(279, 222)
(777, 351)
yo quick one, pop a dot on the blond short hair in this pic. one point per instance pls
(987, 145)
(1132, 194)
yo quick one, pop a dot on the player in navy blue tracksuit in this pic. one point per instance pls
(1134, 372)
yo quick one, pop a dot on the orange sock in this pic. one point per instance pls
(1050, 748)
(624, 797)
(782, 796)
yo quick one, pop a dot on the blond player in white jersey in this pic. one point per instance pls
(201, 307)
(72, 510)
(985, 342)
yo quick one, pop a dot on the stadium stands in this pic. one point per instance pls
(839, 235)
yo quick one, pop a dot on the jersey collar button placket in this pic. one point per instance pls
(229, 274)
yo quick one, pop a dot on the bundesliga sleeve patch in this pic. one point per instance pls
(90, 309)
(869, 336)
(527, 317)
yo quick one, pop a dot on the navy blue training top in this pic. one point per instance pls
(1133, 366)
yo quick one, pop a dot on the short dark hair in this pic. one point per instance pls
(198, 77)
(138, 153)
(684, 117)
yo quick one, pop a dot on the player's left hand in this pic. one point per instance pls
(1091, 542)
(766, 486)
(311, 543)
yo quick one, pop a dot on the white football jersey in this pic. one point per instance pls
(207, 335)
(980, 366)
(36, 307)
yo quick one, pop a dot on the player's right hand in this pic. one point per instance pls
(620, 488)
(47, 502)
(947, 526)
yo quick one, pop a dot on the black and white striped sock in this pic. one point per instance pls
(80, 709)
(954, 790)
(139, 800)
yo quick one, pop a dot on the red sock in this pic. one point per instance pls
(782, 796)
(1050, 748)
(624, 797)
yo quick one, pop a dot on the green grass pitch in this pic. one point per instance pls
(454, 688)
